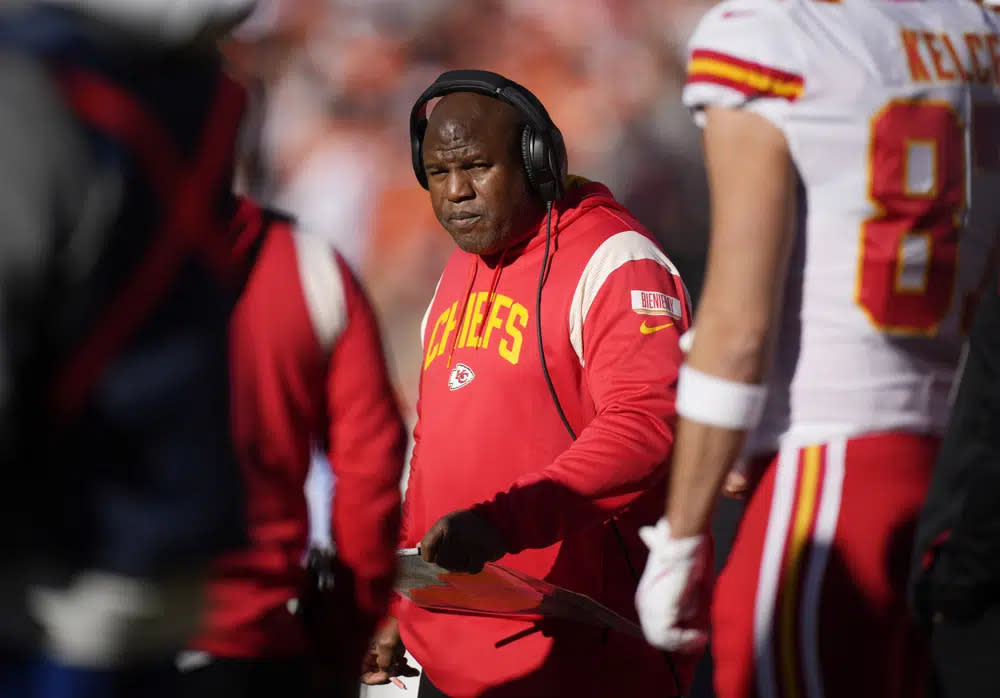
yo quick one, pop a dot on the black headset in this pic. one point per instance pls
(543, 152)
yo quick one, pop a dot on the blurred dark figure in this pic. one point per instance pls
(119, 482)
(956, 575)
(308, 368)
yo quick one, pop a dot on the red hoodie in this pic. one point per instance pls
(307, 367)
(488, 435)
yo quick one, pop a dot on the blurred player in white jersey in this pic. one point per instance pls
(853, 158)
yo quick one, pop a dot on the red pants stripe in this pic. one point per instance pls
(812, 601)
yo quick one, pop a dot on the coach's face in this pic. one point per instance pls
(477, 184)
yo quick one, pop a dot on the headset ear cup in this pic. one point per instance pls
(538, 159)
(527, 138)
(558, 162)
(417, 132)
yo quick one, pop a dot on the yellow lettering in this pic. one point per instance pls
(911, 42)
(432, 343)
(942, 74)
(974, 42)
(467, 318)
(449, 327)
(991, 42)
(494, 320)
(477, 319)
(954, 57)
(511, 350)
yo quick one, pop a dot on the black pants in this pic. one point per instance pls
(247, 678)
(966, 655)
(427, 689)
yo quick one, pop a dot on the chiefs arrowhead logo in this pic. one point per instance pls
(460, 377)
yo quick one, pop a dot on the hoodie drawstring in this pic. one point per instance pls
(494, 282)
(463, 307)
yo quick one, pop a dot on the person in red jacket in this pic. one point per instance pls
(307, 368)
(498, 472)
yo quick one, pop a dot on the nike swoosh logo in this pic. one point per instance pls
(646, 329)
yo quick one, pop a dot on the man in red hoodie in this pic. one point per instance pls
(307, 368)
(498, 472)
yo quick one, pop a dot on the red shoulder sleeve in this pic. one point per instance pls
(625, 325)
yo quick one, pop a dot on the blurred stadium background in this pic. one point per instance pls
(334, 81)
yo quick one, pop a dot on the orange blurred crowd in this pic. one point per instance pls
(334, 81)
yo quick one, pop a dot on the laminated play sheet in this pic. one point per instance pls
(500, 592)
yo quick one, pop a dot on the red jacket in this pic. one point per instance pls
(307, 367)
(488, 435)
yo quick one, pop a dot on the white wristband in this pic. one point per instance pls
(686, 341)
(719, 402)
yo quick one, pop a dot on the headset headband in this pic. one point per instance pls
(486, 83)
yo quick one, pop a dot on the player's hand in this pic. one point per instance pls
(667, 598)
(737, 484)
(462, 541)
(386, 658)
(743, 479)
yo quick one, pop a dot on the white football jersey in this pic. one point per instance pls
(891, 110)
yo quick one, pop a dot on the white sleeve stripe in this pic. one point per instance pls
(698, 96)
(616, 251)
(427, 313)
(687, 300)
(322, 288)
